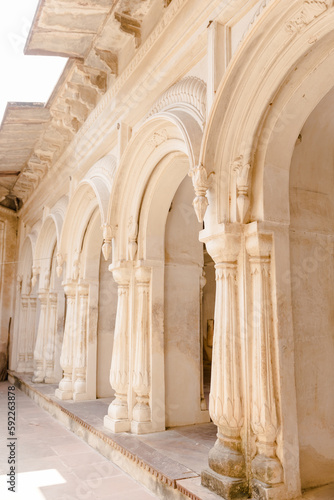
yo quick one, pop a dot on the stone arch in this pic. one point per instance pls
(280, 74)
(48, 239)
(166, 133)
(80, 246)
(25, 307)
(152, 168)
(91, 193)
(260, 98)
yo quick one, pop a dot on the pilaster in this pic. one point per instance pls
(266, 467)
(39, 371)
(49, 351)
(22, 344)
(80, 352)
(65, 390)
(141, 378)
(117, 419)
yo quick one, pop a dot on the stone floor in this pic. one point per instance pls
(54, 464)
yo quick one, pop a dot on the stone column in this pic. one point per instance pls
(31, 326)
(49, 351)
(227, 473)
(80, 352)
(22, 344)
(65, 390)
(39, 370)
(141, 416)
(266, 467)
(117, 419)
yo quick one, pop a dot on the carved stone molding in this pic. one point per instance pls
(256, 16)
(311, 10)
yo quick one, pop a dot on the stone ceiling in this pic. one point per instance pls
(100, 38)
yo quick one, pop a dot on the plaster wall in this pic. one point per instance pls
(183, 269)
(312, 269)
(105, 329)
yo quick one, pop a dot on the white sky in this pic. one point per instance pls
(23, 78)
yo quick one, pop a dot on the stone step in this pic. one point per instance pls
(162, 475)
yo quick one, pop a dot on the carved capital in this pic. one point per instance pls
(224, 247)
(259, 245)
(121, 275)
(143, 275)
(70, 289)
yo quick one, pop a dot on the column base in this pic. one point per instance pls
(116, 425)
(227, 487)
(141, 427)
(63, 395)
(38, 379)
(262, 491)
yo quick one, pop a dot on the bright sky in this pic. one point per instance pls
(23, 78)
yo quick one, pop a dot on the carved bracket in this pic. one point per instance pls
(201, 182)
(108, 235)
(132, 238)
(60, 261)
(242, 170)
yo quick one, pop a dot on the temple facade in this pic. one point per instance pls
(167, 228)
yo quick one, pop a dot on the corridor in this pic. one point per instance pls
(54, 464)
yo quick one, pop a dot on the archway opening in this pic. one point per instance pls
(312, 275)
(188, 311)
